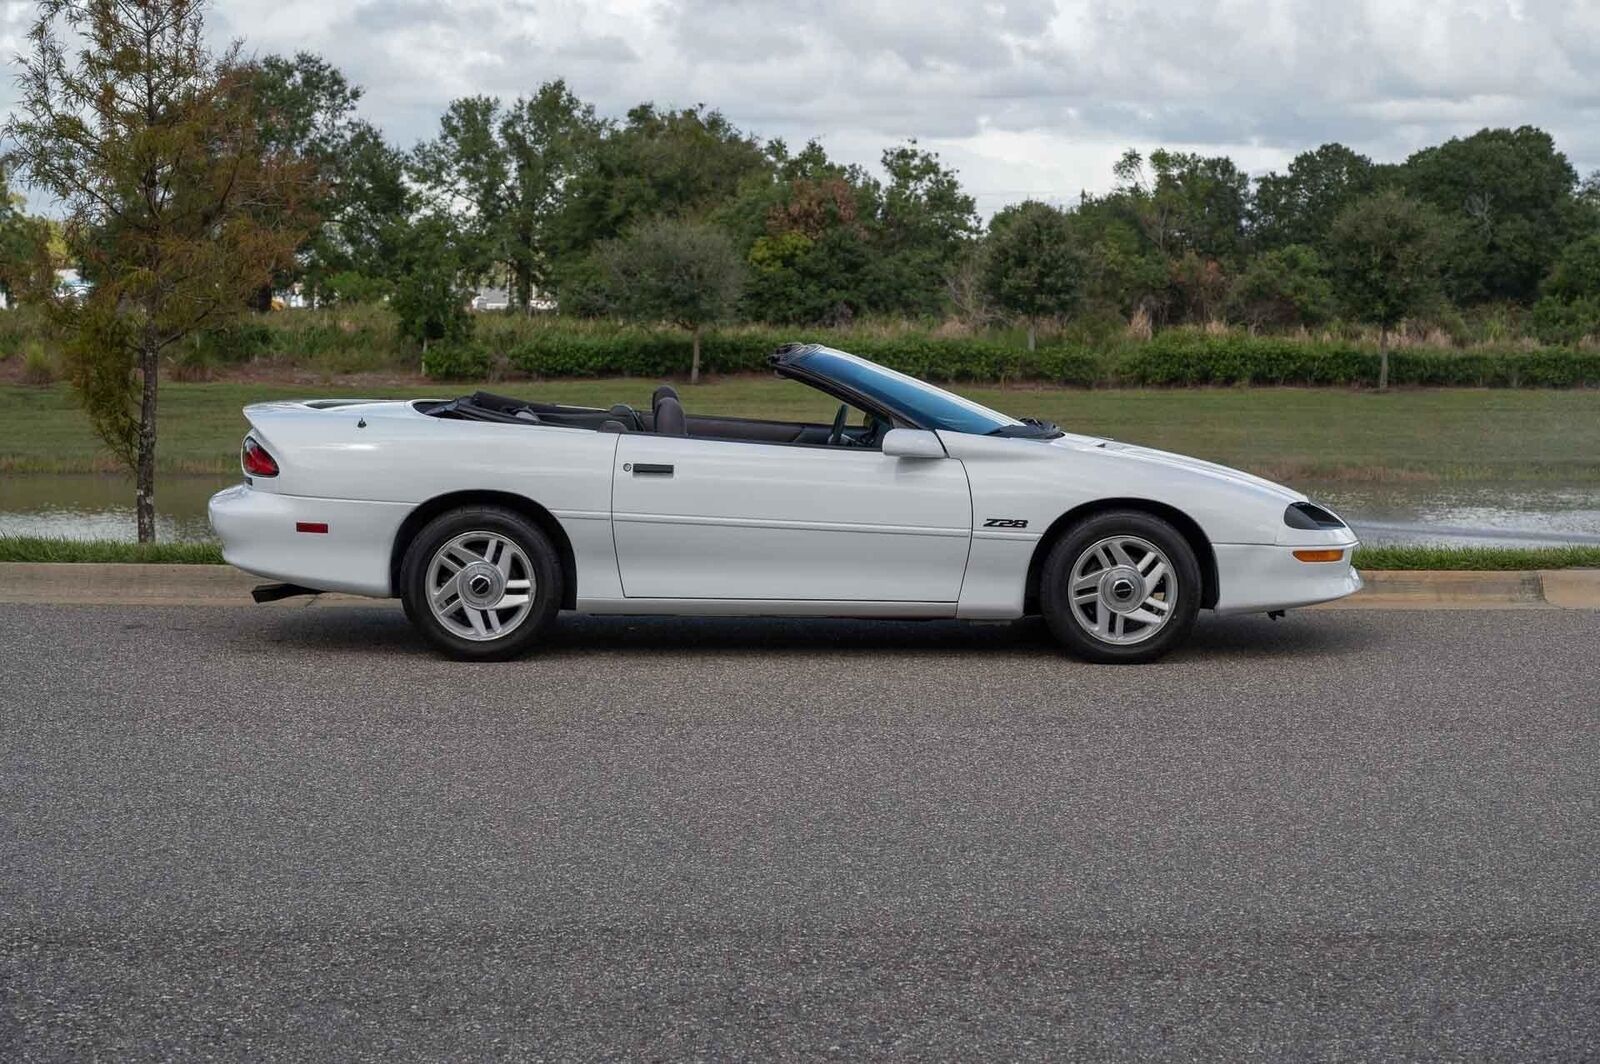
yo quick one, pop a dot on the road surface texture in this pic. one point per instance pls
(294, 834)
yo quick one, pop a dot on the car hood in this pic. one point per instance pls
(1199, 467)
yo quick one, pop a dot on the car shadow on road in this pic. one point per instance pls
(385, 630)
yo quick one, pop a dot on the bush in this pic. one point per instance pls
(1183, 357)
(1562, 321)
(456, 360)
(1288, 286)
(38, 368)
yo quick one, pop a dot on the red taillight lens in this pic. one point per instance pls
(257, 462)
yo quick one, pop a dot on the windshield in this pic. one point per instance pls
(932, 407)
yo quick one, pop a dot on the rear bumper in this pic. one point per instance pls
(259, 535)
(1256, 578)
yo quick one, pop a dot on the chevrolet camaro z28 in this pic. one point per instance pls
(487, 515)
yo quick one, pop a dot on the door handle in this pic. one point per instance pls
(650, 469)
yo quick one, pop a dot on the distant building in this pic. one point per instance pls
(489, 298)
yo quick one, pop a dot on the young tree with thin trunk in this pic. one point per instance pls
(177, 215)
(1031, 264)
(1385, 252)
(687, 273)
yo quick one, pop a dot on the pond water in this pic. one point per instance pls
(1517, 514)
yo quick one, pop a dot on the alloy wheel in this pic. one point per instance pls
(1122, 590)
(480, 586)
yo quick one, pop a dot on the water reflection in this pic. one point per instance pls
(1532, 514)
(88, 506)
(1512, 514)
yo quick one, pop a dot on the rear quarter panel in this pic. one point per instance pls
(390, 453)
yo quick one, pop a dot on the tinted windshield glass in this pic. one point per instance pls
(933, 407)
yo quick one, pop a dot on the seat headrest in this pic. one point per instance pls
(670, 418)
(666, 391)
(613, 426)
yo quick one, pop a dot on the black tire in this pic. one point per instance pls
(523, 629)
(1088, 541)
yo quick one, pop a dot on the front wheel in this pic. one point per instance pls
(482, 583)
(1122, 587)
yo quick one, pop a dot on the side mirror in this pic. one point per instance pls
(912, 443)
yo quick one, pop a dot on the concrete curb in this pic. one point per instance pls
(124, 584)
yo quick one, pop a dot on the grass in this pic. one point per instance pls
(1477, 558)
(48, 549)
(45, 549)
(1283, 433)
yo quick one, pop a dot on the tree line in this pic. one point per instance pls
(671, 214)
(193, 185)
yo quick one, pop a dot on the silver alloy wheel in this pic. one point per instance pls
(1122, 590)
(480, 586)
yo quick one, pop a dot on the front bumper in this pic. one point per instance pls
(260, 534)
(1255, 578)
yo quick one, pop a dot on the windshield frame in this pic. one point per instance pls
(805, 364)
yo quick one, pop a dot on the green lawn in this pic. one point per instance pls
(1286, 433)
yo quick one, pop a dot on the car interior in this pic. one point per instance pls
(667, 417)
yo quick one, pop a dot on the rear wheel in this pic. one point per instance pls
(1122, 587)
(482, 583)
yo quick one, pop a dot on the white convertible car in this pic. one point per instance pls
(486, 515)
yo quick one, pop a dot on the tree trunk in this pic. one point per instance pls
(694, 368)
(1032, 334)
(1383, 358)
(522, 298)
(145, 471)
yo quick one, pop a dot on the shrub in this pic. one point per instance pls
(456, 360)
(38, 368)
(1288, 286)
(1562, 321)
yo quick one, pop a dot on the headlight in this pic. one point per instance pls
(1310, 517)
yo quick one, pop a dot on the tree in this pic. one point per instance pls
(687, 273)
(1510, 196)
(370, 211)
(1031, 267)
(806, 232)
(171, 204)
(513, 167)
(1385, 252)
(1298, 207)
(433, 283)
(20, 237)
(1287, 286)
(305, 109)
(923, 226)
(1186, 202)
(657, 164)
(1569, 309)
(1576, 274)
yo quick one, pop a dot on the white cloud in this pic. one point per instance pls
(1034, 97)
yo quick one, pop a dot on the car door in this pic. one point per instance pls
(727, 519)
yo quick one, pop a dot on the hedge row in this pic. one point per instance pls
(1171, 358)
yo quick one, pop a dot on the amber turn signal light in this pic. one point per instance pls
(1319, 555)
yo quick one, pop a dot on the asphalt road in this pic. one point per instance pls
(282, 833)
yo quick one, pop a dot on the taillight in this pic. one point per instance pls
(257, 462)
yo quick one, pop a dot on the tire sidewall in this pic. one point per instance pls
(535, 544)
(1053, 599)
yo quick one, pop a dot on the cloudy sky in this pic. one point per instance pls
(1032, 98)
